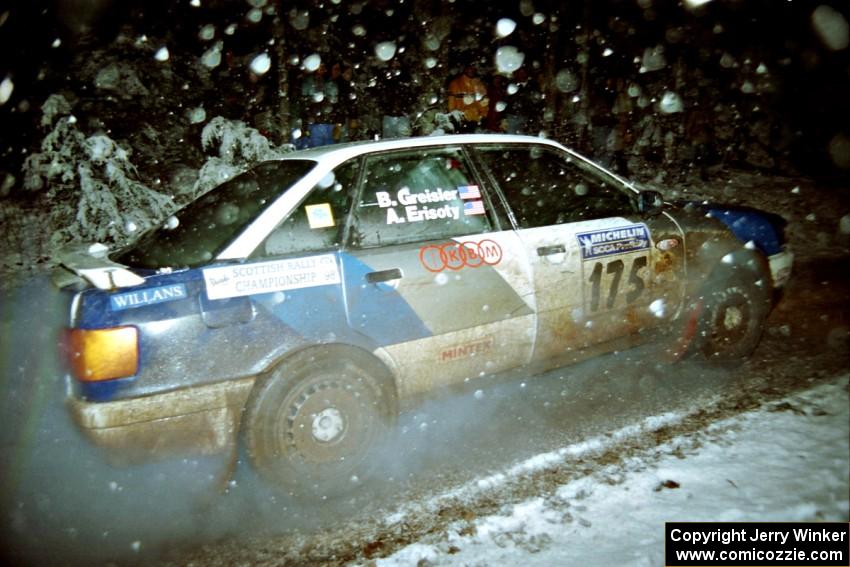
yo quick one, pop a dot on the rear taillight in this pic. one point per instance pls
(103, 354)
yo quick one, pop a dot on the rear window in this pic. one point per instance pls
(206, 226)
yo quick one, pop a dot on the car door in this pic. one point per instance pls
(299, 261)
(431, 280)
(602, 273)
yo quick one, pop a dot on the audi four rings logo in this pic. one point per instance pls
(457, 255)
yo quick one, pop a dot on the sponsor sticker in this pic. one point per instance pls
(319, 216)
(266, 277)
(466, 350)
(457, 255)
(150, 296)
(613, 241)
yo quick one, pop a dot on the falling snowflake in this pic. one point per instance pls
(505, 27)
(385, 50)
(6, 88)
(312, 62)
(261, 64)
(832, 27)
(508, 59)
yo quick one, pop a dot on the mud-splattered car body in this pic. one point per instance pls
(307, 301)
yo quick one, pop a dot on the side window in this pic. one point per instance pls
(544, 186)
(318, 222)
(418, 195)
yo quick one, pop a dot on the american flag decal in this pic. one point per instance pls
(469, 192)
(473, 208)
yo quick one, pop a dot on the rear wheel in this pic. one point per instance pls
(735, 307)
(313, 423)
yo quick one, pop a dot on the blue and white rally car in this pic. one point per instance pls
(298, 307)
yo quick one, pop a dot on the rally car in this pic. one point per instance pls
(298, 307)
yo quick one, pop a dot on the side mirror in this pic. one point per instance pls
(650, 203)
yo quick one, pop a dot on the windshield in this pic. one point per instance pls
(199, 231)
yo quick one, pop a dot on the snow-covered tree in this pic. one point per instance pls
(92, 189)
(238, 146)
(435, 123)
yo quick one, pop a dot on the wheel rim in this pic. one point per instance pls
(736, 307)
(314, 424)
(329, 423)
(732, 318)
(732, 322)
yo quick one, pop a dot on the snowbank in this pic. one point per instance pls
(787, 461)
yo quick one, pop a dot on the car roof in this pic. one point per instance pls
(329, 157)
(338, 152)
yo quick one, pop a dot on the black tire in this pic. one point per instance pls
(735, 307)
(312, 424)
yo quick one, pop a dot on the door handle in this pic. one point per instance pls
(551, 250)
(383, 275)
(226, 312)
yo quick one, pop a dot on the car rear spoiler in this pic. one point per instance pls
(89, 262)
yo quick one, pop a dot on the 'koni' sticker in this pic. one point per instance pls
(319, 216)
(613, 241)
(457, 255)
(265, 277)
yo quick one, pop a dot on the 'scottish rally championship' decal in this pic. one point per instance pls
(611, 241)
(266, 277)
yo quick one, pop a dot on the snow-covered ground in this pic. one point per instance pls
(788, 460)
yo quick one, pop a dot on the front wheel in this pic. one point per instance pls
(735, 308)
(312, 424)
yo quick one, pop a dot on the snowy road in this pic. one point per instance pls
(788, 460)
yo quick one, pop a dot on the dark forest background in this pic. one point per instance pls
(767, 80)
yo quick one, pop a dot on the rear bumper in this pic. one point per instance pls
(780, 267)
(199, 420)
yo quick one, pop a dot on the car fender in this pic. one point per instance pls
(717, 253)
(385, 373)
(710, 245)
